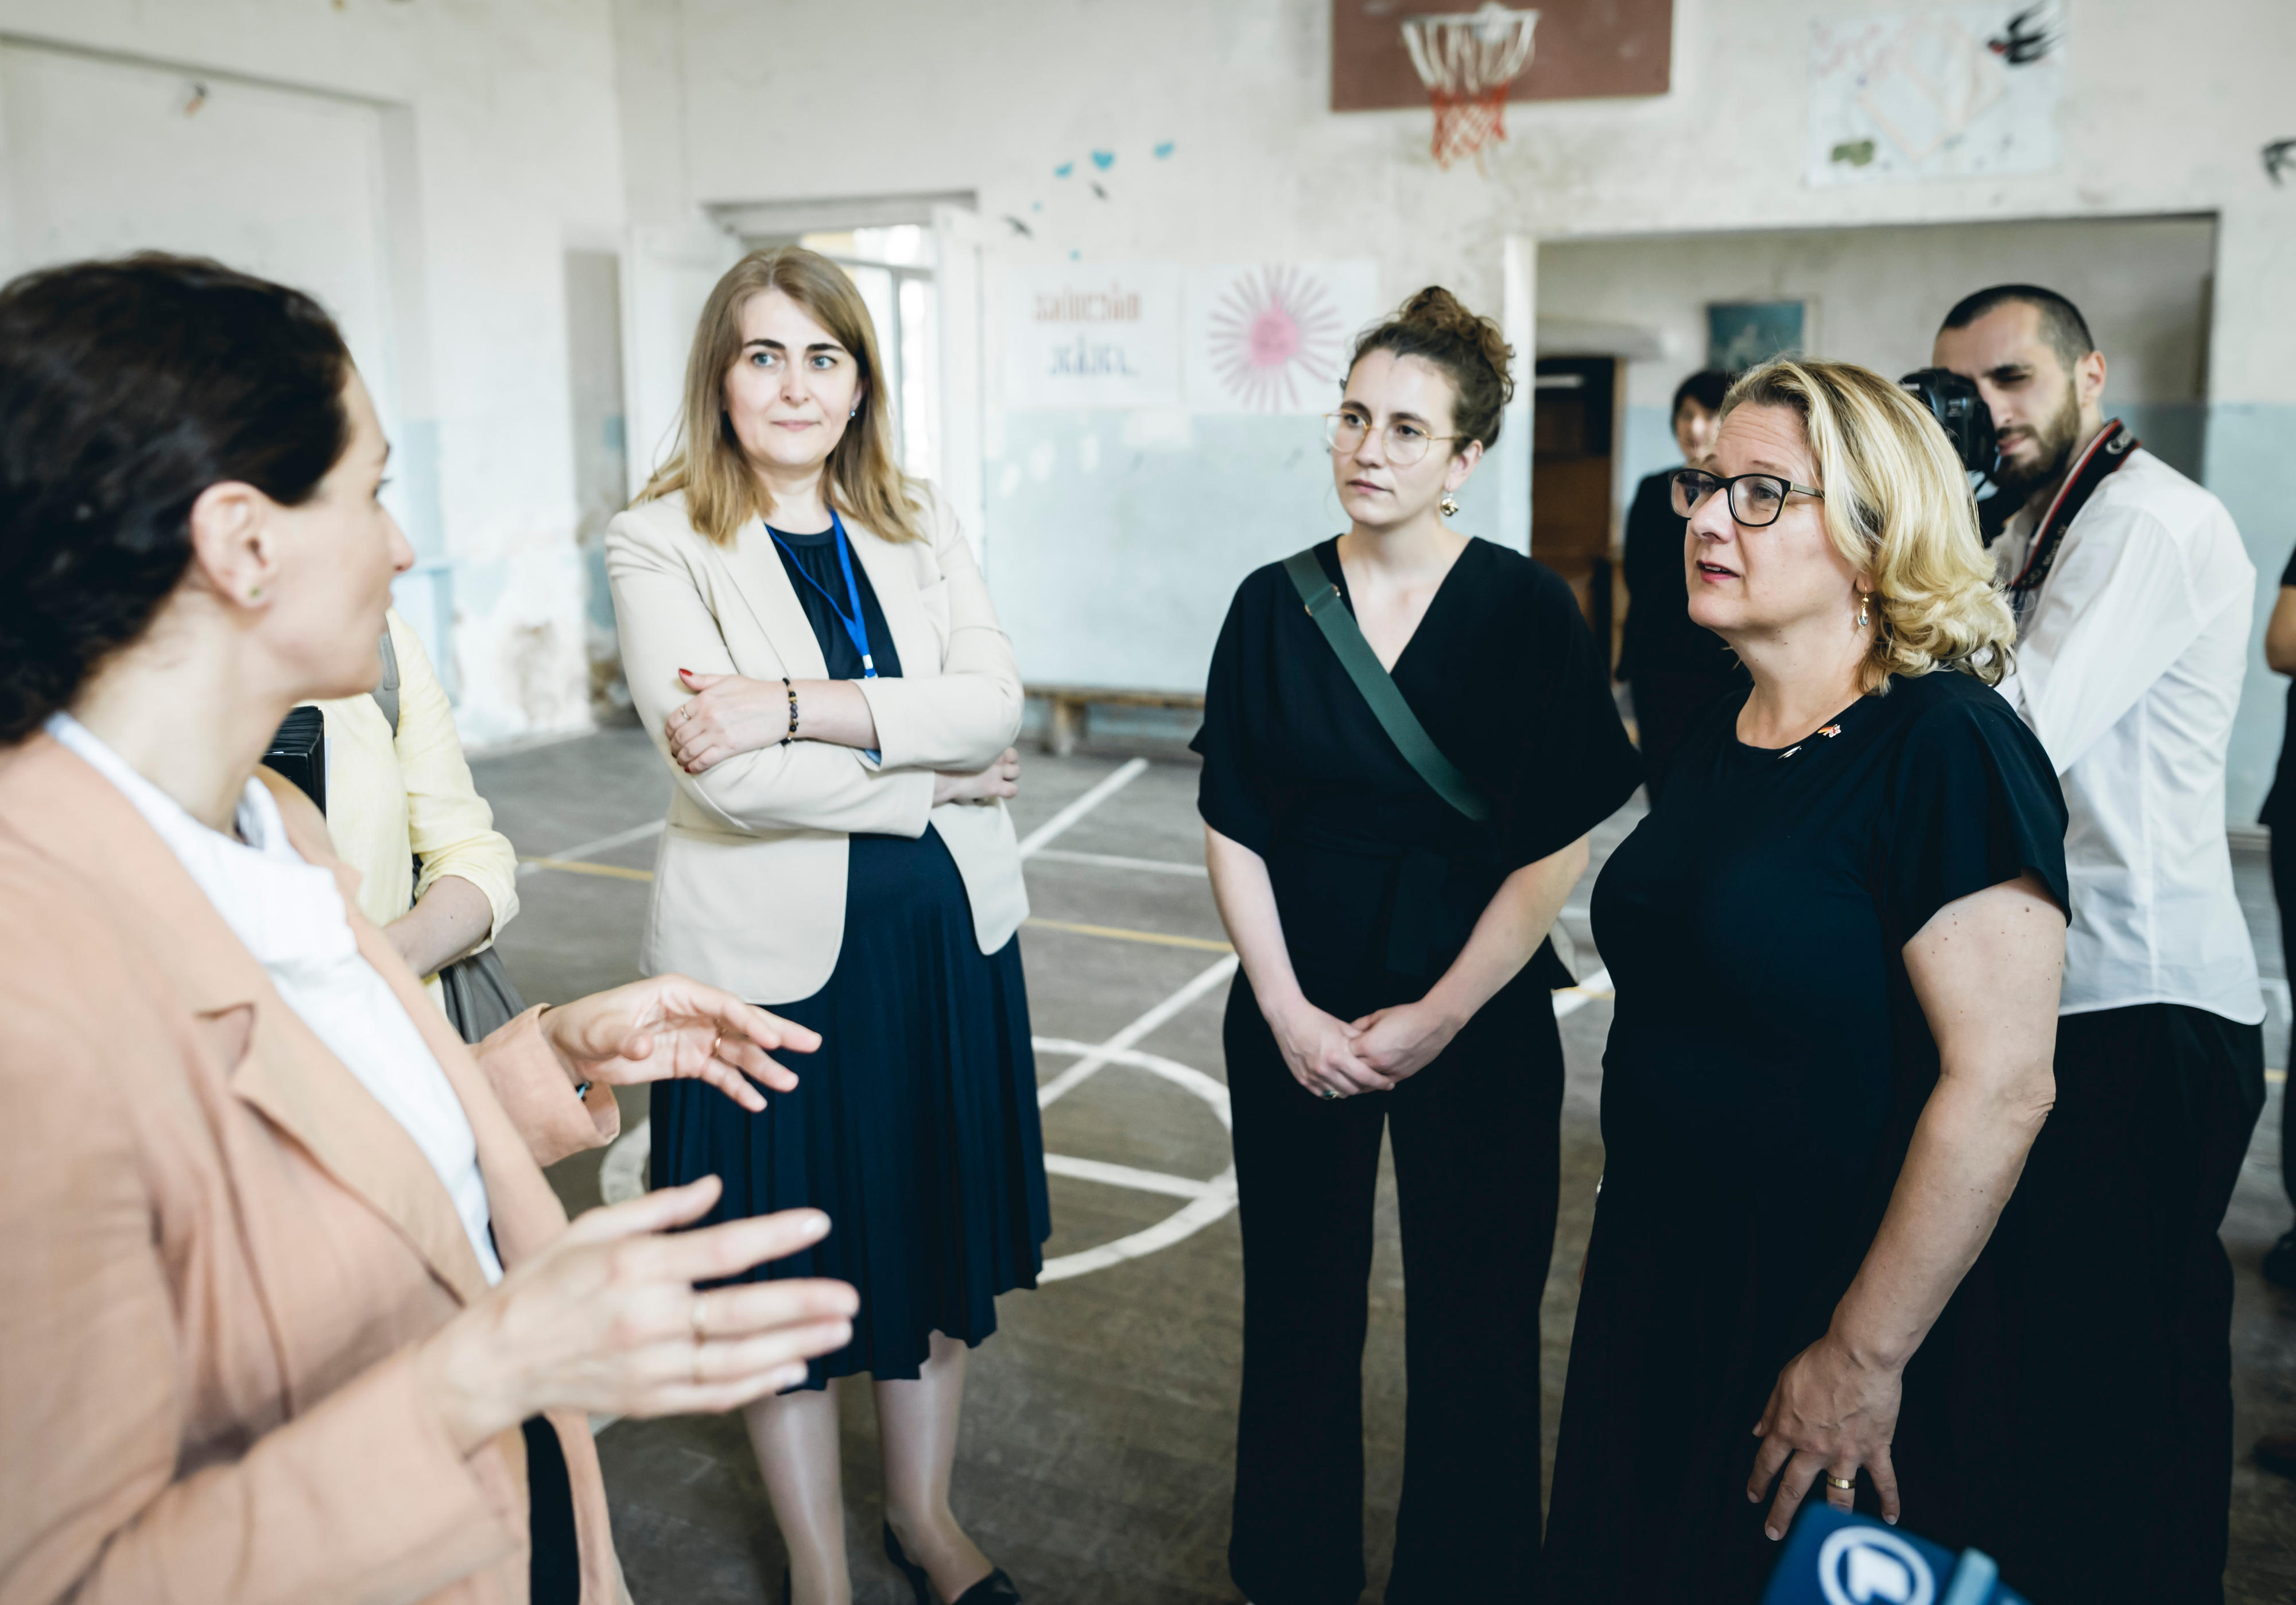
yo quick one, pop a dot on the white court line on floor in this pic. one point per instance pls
(1078, 1073)
(1038, 838)
(1124, 1175)
(1208, 1202)
(604, 844)
(1112, 861)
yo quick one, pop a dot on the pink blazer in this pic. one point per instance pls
(218, 1250)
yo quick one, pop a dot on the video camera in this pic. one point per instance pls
(1954, 402)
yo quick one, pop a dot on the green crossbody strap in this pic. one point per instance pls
(1324, 606)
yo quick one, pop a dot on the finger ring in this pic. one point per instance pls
(1844, 1483)
(716, 1037)
(1328, 1094)
(701, 1320)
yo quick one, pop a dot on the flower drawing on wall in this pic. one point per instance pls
(1275, 338)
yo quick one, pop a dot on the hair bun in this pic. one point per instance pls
(1439, 313)
(1434, 323)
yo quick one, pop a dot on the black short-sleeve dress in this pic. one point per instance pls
(1767, 1064)
(1379, 883)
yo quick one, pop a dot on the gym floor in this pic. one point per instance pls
(1096, 1459)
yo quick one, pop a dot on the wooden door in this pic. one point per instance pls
(1572, 439)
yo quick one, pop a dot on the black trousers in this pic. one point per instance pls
(2284, 893)
(2123, 1308)
(1476, 1139)
(553, 1573)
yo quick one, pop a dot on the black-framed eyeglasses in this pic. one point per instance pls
(1406, 442)
(1755, 500)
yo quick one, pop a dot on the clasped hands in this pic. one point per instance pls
(730, 715)
(1333, 1058)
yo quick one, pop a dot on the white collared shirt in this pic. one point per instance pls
(2128, 667)
(290, 916)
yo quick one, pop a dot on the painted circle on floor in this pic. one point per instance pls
(623, 1175)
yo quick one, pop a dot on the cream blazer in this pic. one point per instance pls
(217, 1251)
(393, 799)
(749, 890)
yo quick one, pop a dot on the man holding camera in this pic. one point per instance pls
(2133, 596)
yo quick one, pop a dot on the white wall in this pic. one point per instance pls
(2164, 113)
(1876, 295)
(499, 147)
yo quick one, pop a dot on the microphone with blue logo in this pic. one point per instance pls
(1836, 1558)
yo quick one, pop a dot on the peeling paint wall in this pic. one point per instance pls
(2161, 114)
(499, 147)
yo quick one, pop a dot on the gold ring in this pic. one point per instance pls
(701, 1320)
(1846, 1484)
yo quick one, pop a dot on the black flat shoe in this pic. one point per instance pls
(994, 1588)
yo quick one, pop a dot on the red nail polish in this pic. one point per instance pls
(685, 671)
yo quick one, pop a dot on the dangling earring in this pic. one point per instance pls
(1862, 620)
(1449, 504)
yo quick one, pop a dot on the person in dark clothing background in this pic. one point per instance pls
(1673, 669)
(2277, 1451)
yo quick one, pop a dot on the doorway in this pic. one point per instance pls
(1574, 429)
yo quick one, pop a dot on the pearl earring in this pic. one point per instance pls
(1449, 504)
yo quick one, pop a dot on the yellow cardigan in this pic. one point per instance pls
(392, 801)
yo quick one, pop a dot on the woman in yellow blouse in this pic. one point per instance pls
(434, 873)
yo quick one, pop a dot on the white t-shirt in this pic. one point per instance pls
(290, 916)
(2128, 667)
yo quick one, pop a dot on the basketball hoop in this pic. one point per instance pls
(1467, 59)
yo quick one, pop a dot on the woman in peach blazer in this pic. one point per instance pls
(288, 1310)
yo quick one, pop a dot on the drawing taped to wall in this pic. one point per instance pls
(1092, 335)
(1958, 93)
(1274, 339)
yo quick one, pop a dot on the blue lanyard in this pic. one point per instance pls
(856, 628)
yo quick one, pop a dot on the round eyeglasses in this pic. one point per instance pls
(1406, 441)
(1755, 500)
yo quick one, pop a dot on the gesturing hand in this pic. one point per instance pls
(668, 1027)
(1320, 1051)
(1399, 1042)
(606, 1320)
(727, 716)
(1828, 1414)
(1000, 778)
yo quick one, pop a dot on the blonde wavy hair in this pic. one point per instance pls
(864, 482)
(1899, 508)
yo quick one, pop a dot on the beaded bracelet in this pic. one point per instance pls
(792, 690)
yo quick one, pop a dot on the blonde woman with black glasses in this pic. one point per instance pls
(1835, 943)
(808, 638)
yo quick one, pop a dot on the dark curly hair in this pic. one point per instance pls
(1472, 352)
(128, 388)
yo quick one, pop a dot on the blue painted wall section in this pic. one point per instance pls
(2251, 463)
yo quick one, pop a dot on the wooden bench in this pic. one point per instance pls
(1066, 726)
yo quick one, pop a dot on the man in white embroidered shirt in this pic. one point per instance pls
(2133, 597)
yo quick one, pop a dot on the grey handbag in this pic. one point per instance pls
(480, 998)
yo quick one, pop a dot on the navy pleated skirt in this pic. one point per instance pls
(915, 1126)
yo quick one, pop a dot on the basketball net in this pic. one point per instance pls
(1467, 61)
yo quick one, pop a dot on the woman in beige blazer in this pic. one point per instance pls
(807, 635)
(289, 1311)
